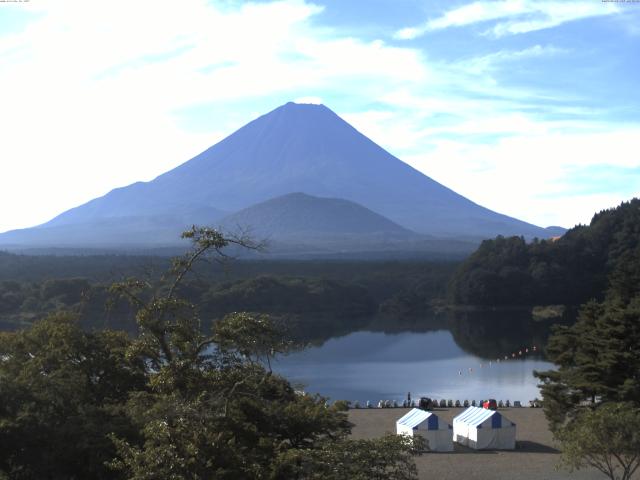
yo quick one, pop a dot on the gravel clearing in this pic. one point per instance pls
(535, 456)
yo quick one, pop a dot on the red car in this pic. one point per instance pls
(490, 404)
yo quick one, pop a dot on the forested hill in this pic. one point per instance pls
(570, 270)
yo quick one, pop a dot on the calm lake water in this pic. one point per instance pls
(372, 366)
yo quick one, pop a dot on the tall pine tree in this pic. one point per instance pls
(598, 357)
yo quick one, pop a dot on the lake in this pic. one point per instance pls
(372, 366)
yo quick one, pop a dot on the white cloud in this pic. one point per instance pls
(89, 94)
(487, 63)
(94, 96)
(551, 14)
(509, 151)
(513, 16)
(397, 133)
(529, 175)
(309, 100)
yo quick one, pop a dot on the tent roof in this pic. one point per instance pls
(414, 417)
(475, 416)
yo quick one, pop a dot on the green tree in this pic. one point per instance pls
(607, 438)
(598, 360)
(389, 457)
(177, 401)
(214, 408)
(570, 270)
(592, 400)
(61, 392)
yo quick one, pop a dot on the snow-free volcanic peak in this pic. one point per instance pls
(294, 148)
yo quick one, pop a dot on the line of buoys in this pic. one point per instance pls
(519, 353)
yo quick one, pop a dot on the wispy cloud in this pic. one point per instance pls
(97, 99)
(550, 177)
(93, 94)
(309, 100)
(549, 158)
(511, 16)
(489, 62)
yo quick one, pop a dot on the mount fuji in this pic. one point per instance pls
(296, 148)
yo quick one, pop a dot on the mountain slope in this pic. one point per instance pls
(298, 215)
(294, 148)
(137, 231)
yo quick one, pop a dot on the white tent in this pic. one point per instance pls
(426, 424)
(480, 428)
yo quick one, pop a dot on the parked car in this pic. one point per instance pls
(490, 404)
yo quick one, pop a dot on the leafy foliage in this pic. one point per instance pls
(61, 393)
(592, 400)
(386, 458)
(320, 297)
(175, 402)
(598, 360)
(288, 295)
(606, 438)
(570, 271)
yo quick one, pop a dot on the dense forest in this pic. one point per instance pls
(592, 396)
(379, 275)
(569, 270)
(181, 399)
(317, 299)
(108, 267)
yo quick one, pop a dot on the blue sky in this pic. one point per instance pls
(528, 107)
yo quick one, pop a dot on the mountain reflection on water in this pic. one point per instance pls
(439, 357)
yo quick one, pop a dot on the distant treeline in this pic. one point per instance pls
(332, 295)
(317, 298)
(18, 267)
(381, 275)
(570, 270)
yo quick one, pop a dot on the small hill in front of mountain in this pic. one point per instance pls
(305, 226)
(298, 215)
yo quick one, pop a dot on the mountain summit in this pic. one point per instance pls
(294, 148)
